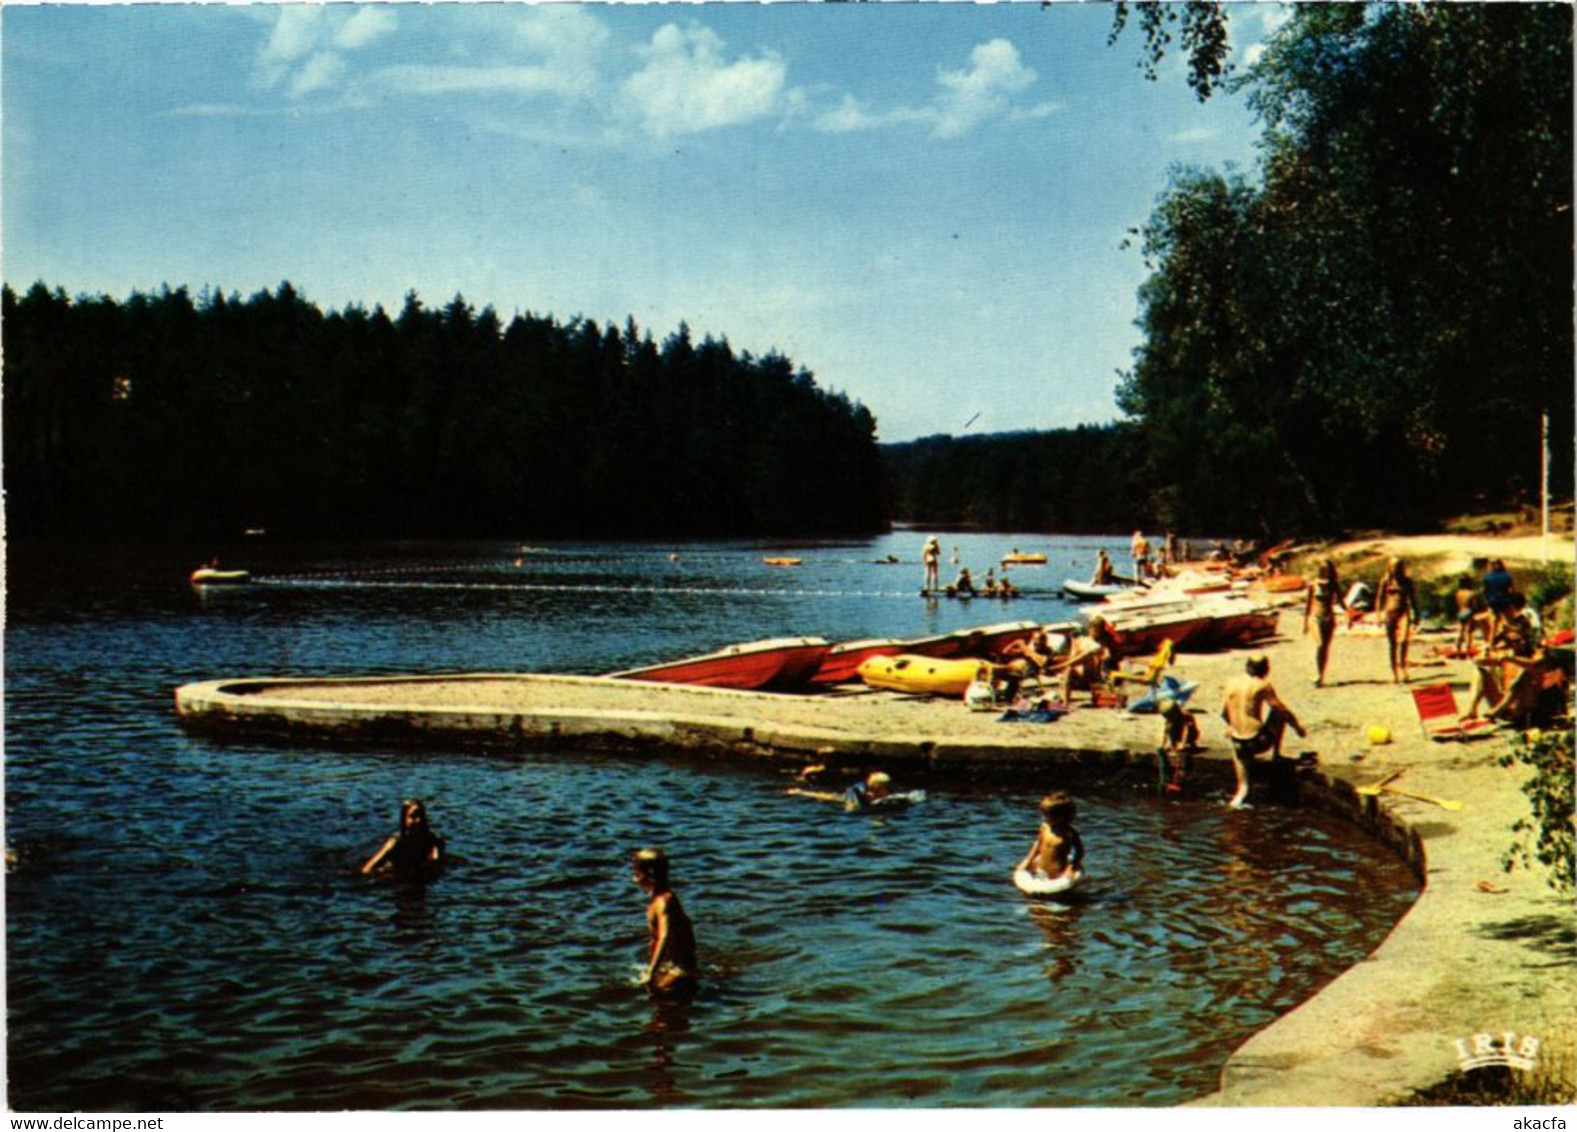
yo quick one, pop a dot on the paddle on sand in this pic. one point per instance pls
(1374, 788)
(1443, 803)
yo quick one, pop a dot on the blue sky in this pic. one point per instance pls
(921, 204)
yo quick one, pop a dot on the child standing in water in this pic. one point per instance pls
(1058, 850)
(670, 965)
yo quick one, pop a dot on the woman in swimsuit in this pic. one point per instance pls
(1399, 606)
(413, 849)
(1324, 596)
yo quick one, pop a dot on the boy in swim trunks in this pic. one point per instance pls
(670, 966)
(1256, 719)
(1058, 850)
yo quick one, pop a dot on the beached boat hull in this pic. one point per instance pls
(779, 663)
(207, 576)
(1142, 635)
(921, 675)
(987, 640)
(842, 663)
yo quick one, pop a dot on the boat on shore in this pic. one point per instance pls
(213, 576)
(842, 663)
(780, 663)
(1088, 591)
(987, 640)
(922, 675)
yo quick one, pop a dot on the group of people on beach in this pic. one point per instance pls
(1491, 608)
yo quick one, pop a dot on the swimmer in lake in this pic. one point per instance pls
(671, 969)
(413, 849)
(1058, 850)
(861, 796)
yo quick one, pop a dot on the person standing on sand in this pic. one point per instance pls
(670, 964)
(1499, 585)
(931, 555)
(1398, 604)
(1256, 720)
(1324, 596)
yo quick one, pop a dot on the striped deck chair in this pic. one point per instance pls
(1440, 718)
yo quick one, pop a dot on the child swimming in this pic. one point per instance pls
(1058, 851)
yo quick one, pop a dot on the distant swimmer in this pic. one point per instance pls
(414, 849)
(671, 968)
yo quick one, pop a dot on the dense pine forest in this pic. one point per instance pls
(1373, 329)
(162, 417)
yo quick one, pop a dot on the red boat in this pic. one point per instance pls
(987, 640)
(842, 663)
(1140, 635)
(780, 663)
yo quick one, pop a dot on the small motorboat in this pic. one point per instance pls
(784, 561)
(779, 663)
(213, 576)
(921, 675)
(1017, 559)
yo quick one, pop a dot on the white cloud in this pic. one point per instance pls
(686, 85)
(305, 49)
(319, 73)
(1193, 135)
(368, 24)
(981, 90)
(423, 79)
(295, 34)
(850, 116)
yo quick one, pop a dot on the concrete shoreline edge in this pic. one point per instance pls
(1454, 965)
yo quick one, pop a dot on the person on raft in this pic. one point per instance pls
(671, 968)
(963, 584)
(413, 849)
(1104, 574)
(1058, 850)
(1256, 719)
(931, 555)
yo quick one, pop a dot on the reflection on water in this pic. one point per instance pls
(187, 928)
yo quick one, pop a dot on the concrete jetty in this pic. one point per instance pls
(1469, 958)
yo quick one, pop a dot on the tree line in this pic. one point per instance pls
(164, 417)
(1372, 330)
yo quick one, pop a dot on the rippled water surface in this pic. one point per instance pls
(186, 928)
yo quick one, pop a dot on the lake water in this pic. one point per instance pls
(186, 928)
